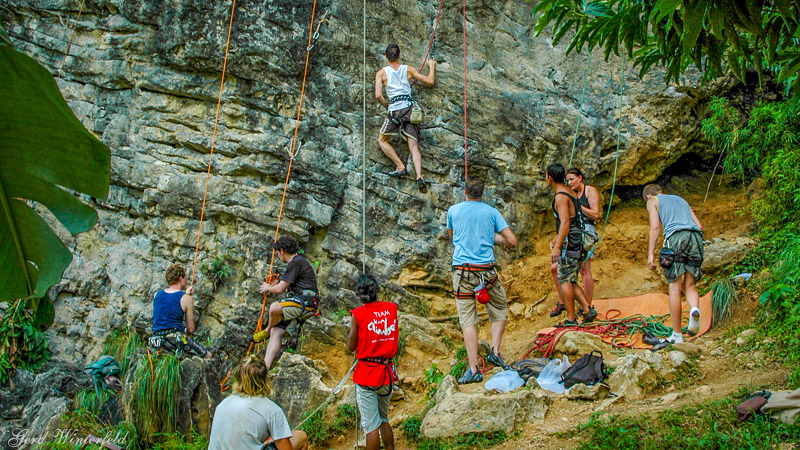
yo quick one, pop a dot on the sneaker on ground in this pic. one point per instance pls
(496, 359)
(694, 322)
(590, 315)
(662, 343)
(558, 309)
(470, 377)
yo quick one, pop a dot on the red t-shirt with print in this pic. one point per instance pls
(377, 338)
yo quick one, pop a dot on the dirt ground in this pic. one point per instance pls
(620, 269)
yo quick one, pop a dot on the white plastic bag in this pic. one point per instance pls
(505, 381)
(550, 378)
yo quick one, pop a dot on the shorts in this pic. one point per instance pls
(568, 269)
(589, 240)
(464, 282)
(293, 311)
(687, 244)
(373, 405)
(176, 341)
(400, 121)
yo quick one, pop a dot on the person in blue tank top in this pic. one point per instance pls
(396, 78)
(680, 257)
(173, 316)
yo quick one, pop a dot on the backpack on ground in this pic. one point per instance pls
(105, 367)
(751, 405)
(588, 369)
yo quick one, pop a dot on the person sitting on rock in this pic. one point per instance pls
(301, 282)
(173, 316)
(682, 255)
(396, 77)
(567, 246)
(374, 336)
(475, 228)
(248, 419)
(589, 200)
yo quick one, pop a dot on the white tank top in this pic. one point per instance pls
(397, 84)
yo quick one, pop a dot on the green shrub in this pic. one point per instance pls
(122, 344)
(319, 430)
(153, 399)
(22, 345)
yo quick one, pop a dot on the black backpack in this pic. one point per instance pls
(588, 369)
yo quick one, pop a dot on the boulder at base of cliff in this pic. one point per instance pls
(200, 395)
(298, 386)
(577, 343)
(637, 375)
(457, 413)
(723, 253)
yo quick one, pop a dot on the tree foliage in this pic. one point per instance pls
(714, 35)
(47, 158)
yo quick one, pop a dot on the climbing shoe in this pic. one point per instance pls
(579, 312)
(496, 359)
(261, 336)
(423, 187)
(567, 323)
(558, 309)
(662, 343)
(694, 322)
(398, 173)
(470, 377)
(650, 339)
(590, 315)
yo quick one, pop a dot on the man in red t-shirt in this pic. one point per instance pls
(374, 337)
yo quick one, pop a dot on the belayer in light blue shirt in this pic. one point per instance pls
(475, 228)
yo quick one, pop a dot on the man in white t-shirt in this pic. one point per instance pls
(396, 78)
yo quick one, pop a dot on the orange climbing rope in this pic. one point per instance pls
(213, 141)
(312, 36)
(464, 26)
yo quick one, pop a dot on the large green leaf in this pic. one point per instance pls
(46, 157)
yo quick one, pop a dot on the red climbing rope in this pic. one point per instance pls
(293, 152)
(430, 46)
(464, 26)
(213, 141)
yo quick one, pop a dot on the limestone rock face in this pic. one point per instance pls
(144, 77)
(457, 413)
(298, 386)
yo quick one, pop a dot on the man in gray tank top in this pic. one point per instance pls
(682, 254)
(396, 78)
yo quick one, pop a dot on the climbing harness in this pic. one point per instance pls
(478, 269)
(389, 374)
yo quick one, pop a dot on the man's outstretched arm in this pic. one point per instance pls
(422, 78)
(506, 237)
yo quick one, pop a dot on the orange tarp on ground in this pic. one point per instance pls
(655, 304)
